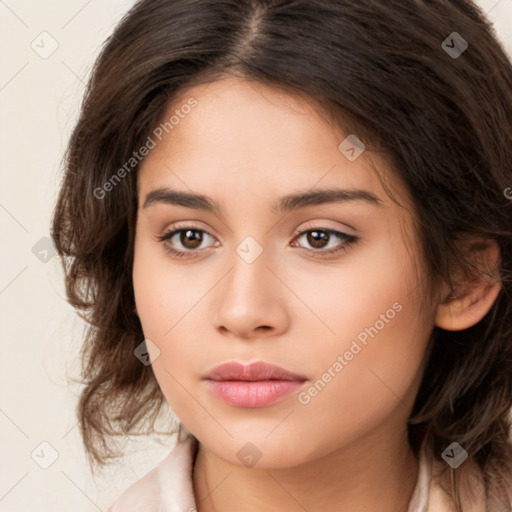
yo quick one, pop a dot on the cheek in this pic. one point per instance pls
(367, 367)
(371, 296)
(374, 383)
(167, 302)
(163, 293)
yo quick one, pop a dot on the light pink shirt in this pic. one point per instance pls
(168, 487)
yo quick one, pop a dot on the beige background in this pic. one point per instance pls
(40, 339)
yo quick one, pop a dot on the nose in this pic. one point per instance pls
(250, 301)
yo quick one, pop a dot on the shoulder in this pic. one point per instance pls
(477, 497)
(141, 495)
(165, 487)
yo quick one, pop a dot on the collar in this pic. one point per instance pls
(168, 487)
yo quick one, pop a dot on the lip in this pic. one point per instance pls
(257, 384)
(259, 370)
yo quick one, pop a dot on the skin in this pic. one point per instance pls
(245, 145)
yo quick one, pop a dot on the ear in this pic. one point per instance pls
(474, 296)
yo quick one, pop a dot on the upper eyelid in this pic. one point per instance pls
(191, 224)
(178, 227)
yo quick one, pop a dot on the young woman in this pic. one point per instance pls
(290, 222)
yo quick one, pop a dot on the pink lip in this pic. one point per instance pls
(255, 385)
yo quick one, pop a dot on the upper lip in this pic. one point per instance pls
(251, 372)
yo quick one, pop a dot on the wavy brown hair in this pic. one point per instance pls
(444, 122)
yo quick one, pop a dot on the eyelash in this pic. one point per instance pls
(350, 240)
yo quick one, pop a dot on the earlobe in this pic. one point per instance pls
(472, 300)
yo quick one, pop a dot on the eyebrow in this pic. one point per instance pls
(287, 203)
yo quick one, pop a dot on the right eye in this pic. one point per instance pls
(190, 237)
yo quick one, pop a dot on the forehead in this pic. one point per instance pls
(244, 136)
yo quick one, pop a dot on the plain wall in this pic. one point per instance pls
(41, 336)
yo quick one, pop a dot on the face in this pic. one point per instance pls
(326, 289)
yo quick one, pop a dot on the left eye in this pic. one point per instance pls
(191, 239)
(319, 239)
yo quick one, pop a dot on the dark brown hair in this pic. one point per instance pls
(443, 120)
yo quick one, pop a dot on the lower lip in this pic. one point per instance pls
(253, 394)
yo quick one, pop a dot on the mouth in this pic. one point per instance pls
(255, 385)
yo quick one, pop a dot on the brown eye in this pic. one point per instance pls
(318, 239)
(184, 242)
(191, 238)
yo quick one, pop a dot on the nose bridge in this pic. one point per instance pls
(250, 276)
(250, 250)
(248, 297)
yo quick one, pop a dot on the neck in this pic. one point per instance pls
(374, 474)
